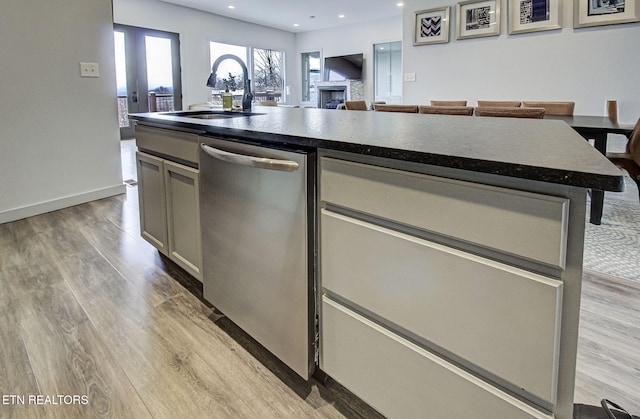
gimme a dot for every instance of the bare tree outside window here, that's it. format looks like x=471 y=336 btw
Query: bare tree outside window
x=268 y=74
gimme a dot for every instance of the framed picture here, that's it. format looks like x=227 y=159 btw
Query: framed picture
x=478 y=18
x=534 y=15
x=605 y=12
x=431 y=26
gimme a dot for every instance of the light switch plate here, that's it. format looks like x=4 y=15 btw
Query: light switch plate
x=409 y=76
x=89 y=70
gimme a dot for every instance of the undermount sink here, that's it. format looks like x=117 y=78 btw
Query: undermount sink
x=211 y=114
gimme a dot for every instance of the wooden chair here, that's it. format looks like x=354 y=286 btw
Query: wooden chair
x=446 y=110
x=381 y=107
x=498 y=104
x=511 y=112
x=268 y=103
x=355 y=105
x=552 y=108
x=630 y=159
x=448 y=103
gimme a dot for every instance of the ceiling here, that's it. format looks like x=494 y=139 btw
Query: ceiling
x=307 y=14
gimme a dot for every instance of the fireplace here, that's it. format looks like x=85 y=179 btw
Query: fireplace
x=331 y=93
x=330 y=97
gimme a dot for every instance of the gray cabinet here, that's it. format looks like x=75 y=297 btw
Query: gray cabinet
x=152 y=200
x=445 y=295
x=169 y=195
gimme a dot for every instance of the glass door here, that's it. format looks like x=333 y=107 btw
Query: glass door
x=310 y=76
x=147 y=73
x=387 y=71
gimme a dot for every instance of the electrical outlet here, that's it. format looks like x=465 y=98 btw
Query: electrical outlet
x=409 y=76
x=89 y=70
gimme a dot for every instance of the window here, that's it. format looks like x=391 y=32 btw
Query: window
x=229 y=71
x=268 y=73
x=310 y=75
x=265 y=68
x=388 y=72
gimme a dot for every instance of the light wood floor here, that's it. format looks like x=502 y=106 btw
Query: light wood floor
x=88 y=308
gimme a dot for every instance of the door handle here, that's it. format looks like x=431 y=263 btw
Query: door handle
x=251 y=161
x=134 y=97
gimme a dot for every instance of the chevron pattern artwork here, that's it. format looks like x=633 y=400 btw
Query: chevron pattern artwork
x=430 y=26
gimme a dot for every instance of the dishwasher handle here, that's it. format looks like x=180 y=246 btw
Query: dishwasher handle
x=251 y=161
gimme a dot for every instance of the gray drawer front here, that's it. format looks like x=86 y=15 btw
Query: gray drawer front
x=527 y=225
x=181 y=145
x=485 y=312
x=402 y=380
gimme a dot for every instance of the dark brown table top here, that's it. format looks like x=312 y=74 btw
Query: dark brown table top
x=593 y=122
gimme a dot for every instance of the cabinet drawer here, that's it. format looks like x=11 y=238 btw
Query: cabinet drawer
x=177 y=144
x=402 y=380
x=490 y=314
x=527 y=225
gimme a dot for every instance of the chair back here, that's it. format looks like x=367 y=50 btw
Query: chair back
x=511 y=112
x=355 y=105
x=448 y=103
x=552 y=108
x=268 y=103
x=381 y=107
x=446 y=110
x=498 y=104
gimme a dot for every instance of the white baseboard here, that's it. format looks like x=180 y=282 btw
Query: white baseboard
x=56 y=204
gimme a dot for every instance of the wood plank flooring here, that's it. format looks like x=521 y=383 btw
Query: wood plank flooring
x=88 y=308
x=608 y=364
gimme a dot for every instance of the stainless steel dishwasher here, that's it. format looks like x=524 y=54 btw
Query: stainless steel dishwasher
x=257 y=243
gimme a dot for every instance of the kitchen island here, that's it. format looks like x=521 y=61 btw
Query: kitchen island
x=449 y=252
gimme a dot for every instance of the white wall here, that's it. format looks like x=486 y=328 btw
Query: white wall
x=588 y=66
x=59 y=139
x=351 y=39
x=197 y=29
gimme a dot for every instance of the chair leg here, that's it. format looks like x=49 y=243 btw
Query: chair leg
x=636 y=179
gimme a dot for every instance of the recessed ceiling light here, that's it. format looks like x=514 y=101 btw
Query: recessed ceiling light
x=231 y=7
x=296 y=25
x=341 y=16
x=400 y=4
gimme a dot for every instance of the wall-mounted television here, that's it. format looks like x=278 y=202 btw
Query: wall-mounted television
x=343 y=67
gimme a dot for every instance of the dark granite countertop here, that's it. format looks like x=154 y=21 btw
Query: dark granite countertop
x=543 y=150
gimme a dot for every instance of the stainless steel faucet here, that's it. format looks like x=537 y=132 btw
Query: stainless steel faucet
x=247 y=96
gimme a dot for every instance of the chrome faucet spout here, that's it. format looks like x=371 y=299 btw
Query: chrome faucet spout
x=247 y=96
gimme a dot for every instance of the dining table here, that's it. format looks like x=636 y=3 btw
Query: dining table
x=597 y=128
